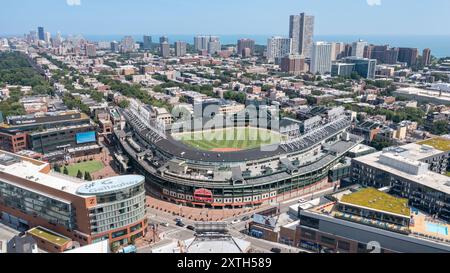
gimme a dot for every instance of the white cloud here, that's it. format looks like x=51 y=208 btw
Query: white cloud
x=73 y=2
x=374 y=2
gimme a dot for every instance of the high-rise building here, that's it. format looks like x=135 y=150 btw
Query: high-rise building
x=128 y=44
x=293 y=64
x=278 y=47
x=48 y=37
x=358 y=48
x=91 y=50
x=301 y=31
x=147 y=42
x=426 y=57
x=202 y=43
x=41 y=33
x=337 y=51
x=163 y=39
x=242 y=44
x=180 y=48
x=214 y=45
x=408 y=55
x=165 y=50
x=321 y=58
x=115 y=46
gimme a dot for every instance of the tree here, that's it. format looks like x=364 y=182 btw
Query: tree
x=57 y=168
x=440 y=127
x=66 y=171
x=124 y=104
x=87 y=176
x=80 y=174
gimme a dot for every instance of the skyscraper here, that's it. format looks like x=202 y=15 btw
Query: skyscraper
x=128 y=44
x=91 y=50
x=426 y=57
x=408 y=55
x=114 y=46
x=358 y=48
x=147 y=42
x=163 y=39
x=242 y=44
x=321 y=58
x=278 y=47
x=180 y=48
x=165 y=50
x=214 y=45
x=41 y=33
x=301 y=31
x=363 y=66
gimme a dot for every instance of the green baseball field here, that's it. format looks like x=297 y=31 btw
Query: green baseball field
x=229 y=139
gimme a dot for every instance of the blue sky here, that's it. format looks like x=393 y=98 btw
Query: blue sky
x=262 y=17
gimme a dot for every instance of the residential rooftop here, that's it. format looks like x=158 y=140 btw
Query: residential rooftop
x=440 y=143
x=374 y=199
x=49 y=236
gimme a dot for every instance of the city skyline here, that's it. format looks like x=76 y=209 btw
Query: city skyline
x=94 y=17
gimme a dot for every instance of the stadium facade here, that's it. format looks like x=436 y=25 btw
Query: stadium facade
x=186 y=175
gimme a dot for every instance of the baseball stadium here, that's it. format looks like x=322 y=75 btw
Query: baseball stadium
x=235 y=166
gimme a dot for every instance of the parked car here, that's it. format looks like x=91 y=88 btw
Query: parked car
x=235 y=221
x=165 y=224
x=275 y=250
x=246 y=218
x=191 y=228
x=180 y=224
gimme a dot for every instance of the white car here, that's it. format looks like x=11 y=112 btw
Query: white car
x=165 y=224
x=236 y=221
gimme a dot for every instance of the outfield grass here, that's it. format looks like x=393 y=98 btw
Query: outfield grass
x=234 y=138
x=88 y=166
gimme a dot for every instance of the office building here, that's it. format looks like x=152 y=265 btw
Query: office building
x=56 y=135
x=408 y=55
x=366 y=68
x=321 y=58
x=49 y=205
x=91 y=50
x=337 y=51
x=41 y=34
x=293 y=64
x=278 y=47
x=165 y=49
x=426 y=57
x=358 y=49
x=342 y=69
x=409 y=171
x=48 y=37
x=180 y=48
x=243 y=44
x=147 y=42
x=301 y=31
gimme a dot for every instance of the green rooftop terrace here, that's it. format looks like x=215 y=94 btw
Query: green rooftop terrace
x=374 y=199
x=49 y=236
x=439 y=143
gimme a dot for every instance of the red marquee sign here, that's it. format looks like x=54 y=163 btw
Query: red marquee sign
x=203 y=195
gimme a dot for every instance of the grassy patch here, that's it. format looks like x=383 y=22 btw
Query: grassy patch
x=88 y=166
x=48 y=236
x=439 y=143
x=375 y=199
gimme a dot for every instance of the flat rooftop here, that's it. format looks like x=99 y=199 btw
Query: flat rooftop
x=49 y=236
x=428 y=178
x=439 y=143
x=33 y=171
x=374 y=199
